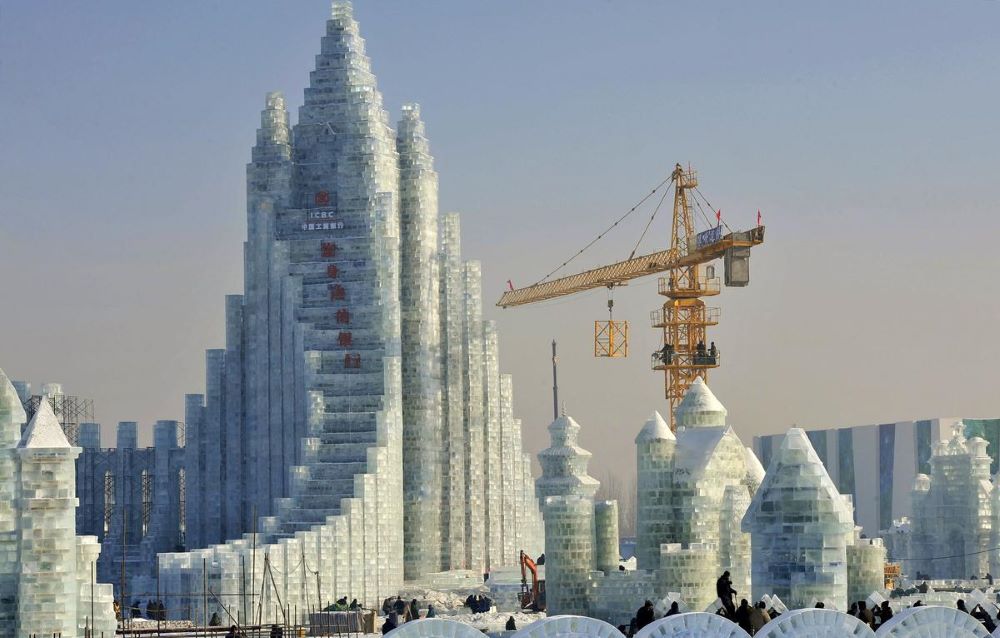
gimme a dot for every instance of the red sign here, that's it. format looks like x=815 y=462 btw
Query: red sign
x=322 y=198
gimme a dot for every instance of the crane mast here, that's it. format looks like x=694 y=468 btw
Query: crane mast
x=683 y=318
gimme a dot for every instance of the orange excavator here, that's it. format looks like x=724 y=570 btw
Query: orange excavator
x=532 y=598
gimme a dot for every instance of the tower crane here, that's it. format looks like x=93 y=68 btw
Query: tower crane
x=687 y=278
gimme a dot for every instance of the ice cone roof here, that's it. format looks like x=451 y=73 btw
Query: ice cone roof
x=44 y=430
x=655 y=428
x=12 y=414
x=700 y=408
x=798 y=485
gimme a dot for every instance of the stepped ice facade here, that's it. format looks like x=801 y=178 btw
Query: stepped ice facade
x=47 y=572
x=359 y=380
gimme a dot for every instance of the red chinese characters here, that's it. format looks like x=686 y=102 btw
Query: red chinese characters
x=345 y=338
x=328 y=249
x=343 y=316
x=322 y=198
x=352 y=360
x=337 y=292
x=332 y=271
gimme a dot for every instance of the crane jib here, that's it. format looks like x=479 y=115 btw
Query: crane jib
x=629 y=269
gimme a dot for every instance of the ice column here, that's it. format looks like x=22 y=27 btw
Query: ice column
x=569 y=554
x=268 y=190
x=800 y=527
x=47 y=590
x=865 y=567
x=655 y=446
x=419 y=298
x=475 y=485
x=492 y=446
x=453 y=492
x=12 y=416
x=606 y=536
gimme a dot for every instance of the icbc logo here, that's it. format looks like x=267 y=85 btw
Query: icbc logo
x=322 y=198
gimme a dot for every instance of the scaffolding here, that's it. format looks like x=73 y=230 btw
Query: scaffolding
x=70 y=410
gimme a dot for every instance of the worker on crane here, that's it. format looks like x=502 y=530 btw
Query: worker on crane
x=666 y=354
x=713 y=353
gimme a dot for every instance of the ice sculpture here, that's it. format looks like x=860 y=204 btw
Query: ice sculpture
x=47 y=587
x=692 y=625
x=12 y=416
x=932 y=622
x=800 y=528
x=375 y=412
x=568 y=627
x=816 y=623
x=693 y=488
x=46 y=572
x=951 y=525
x=567 y=494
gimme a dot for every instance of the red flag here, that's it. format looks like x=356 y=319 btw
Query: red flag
x=718 y=217
x=510 y=286
x=758 y=217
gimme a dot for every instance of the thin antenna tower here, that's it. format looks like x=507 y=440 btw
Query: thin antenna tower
x=555 y=384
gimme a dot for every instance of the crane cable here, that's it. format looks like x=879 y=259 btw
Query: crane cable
x=608 y=229
x=697 y=190
x=651 y=218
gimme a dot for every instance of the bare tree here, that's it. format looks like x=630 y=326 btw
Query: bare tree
x=613 y=488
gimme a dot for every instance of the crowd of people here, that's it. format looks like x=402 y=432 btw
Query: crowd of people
x=752 y=617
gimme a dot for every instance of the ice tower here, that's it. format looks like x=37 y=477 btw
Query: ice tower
x=567 y=493
x=12 y=416
x=693 y=488
x=359 y=382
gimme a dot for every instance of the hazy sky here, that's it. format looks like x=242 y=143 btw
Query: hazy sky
x=866 y=133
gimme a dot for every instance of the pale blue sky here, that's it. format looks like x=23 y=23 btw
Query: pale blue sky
x=866 y=132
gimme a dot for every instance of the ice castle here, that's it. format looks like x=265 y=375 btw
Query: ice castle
x=953 y=533
x=47 y=572
x=356 y=430
x=705 y=505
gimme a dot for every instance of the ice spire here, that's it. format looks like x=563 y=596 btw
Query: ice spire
x=656 y=428
x=12 y=415
x=699 y=407
x=44 y=430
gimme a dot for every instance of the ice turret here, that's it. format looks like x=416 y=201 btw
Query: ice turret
x=699 y=407
x=654 y=446
x=47 y=596
x=11 y=418
x=567 y=492
x=564 y=463
x=800 y=528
